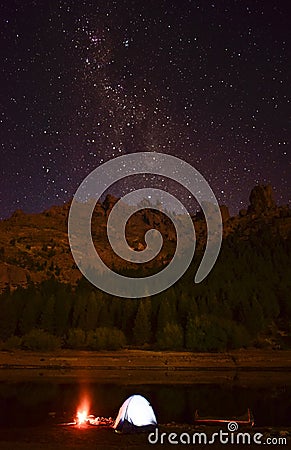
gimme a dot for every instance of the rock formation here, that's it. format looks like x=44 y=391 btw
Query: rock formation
x=261 y=200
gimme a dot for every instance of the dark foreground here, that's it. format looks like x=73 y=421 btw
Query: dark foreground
x=255 y=368
x=59 y=438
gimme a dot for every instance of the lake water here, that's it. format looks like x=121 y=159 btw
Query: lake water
x=29 y=403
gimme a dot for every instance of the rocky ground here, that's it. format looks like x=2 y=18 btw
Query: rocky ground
x=59 y=438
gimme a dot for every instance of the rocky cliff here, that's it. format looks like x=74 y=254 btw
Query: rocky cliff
x=35 y=247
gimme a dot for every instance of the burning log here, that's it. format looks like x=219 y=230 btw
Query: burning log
x=84 y=419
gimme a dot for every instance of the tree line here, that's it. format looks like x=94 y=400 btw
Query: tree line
x=246 y=294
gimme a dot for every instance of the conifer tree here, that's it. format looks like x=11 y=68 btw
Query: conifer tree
x=171 y=337
x=31 y=312
x=47 y=319
x=91 y=313
x=142 y=325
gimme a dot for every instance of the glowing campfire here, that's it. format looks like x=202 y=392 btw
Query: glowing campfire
x=83 y=412
x=83 y=418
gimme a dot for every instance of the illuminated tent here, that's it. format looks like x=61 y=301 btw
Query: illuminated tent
x=135 y=415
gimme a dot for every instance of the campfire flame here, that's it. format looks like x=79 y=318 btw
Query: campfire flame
x=82 y=417
x=83 y=410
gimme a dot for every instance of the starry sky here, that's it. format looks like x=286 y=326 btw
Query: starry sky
x=85 y=81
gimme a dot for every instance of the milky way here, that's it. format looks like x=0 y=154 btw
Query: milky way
x=83 y=82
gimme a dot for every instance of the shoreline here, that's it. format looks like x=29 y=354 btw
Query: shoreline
x=148 y=367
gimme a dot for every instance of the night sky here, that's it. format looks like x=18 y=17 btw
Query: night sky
x=84 y=81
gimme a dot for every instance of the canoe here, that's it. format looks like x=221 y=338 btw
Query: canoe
x=245 y=420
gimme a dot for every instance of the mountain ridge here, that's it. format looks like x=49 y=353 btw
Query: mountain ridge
x=35 y=247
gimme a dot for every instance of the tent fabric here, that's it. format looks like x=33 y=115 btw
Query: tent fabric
x=135 y=415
